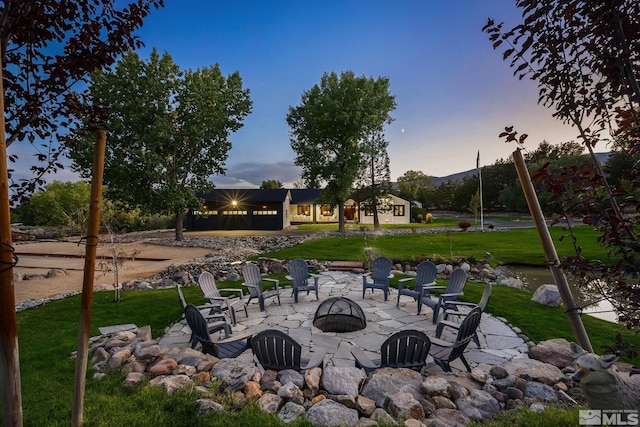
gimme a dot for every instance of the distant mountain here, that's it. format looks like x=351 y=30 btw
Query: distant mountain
x=437 y=180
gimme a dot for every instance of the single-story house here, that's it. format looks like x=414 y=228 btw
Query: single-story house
x=277 y=209
x=236 y=209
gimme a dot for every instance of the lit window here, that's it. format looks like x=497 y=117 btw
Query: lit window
x=368 y=211
x=325 y=210
x=304 y=210
x=398 y=210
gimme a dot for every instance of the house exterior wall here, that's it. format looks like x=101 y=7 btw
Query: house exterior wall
x=399 y=212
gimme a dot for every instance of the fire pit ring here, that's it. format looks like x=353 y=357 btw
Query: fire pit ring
x=339 y=314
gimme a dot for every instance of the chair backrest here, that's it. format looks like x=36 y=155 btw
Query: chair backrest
x=465 y=333
x=299 y=271
x=381 y=269
x=208 y=285
x=196 y=322
x=408 y=348
x=486 y=294
x=183 y=302
x=276 y=350
x=252 y=279
x=426 y=273
x=457 y=280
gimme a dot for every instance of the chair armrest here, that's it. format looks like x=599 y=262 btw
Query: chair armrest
x=362 y=360
x=317 y=359
x=449 y=296
x=440 y=343
x=432 y=287
x=234 y=290
x=276 y=282
x=401 y=282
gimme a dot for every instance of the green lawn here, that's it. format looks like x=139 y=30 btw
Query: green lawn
x=48 y=334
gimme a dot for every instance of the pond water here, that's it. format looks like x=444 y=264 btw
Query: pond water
x=534 y=277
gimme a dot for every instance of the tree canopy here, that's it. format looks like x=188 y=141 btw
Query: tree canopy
x=271 y=184
x=328 y=127
x=168 y=131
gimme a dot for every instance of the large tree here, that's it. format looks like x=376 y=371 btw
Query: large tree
x=168 y=131
x=327 y=129
x=585 y=57
x=412 y=184
x=374 y=183
x=46 y=47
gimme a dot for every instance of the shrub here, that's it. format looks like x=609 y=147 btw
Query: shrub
x=429 y=218
x=419 y=218
x=464 y=224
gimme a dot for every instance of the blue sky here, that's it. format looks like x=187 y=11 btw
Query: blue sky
x=454 y=93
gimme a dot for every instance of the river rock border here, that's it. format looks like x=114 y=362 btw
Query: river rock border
x=340 y=395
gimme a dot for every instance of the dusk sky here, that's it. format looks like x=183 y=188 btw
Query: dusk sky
x=454 y=93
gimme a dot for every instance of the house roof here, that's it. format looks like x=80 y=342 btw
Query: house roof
x=247 y=195
x=300 y=196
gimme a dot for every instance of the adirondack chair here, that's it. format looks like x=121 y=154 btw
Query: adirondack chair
x=444 y=352
x=301 y=279
x=253 y=281
x=457 y=280
x=380 y=275
x=456 y=309
x=403 y=349
x=219 y=303
x=426 y=273
x=277 y=351
x=231 y=346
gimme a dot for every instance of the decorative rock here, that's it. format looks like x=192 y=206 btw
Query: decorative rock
x=184 y=369
x=413 y=423
x=537 y=407
x=387 y=381
x=343 y=399
x=329 y=413
x=514 y=393
x=403 y=405
x=443 y=403
x=318 y=398
x=342 y=380
x=144 y=334
x=133 y=379
x=233 y=372
x=436 y=386
x=290 y=391
x=539 y=391
x=498 y=372
x=208 y=406
x=451 y=417
x=555 y=352
x=479 y=375
x=252 y=390
x=365 y=406
x=290 y=412
x=171 y=383
x=382 y=417
x=547 y=295
x=270 y=403
x=478 y=405
x=163 y=367
x=202 y=377
x=312 y=379
x=147 y=353
x=533 y=368
x=118 y=359
x=291 y=376
x=133 y=365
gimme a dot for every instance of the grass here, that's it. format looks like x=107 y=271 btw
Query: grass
x=513 y=247
x=48 y=334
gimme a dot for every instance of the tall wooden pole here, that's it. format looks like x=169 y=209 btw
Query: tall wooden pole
x=9 y=358
x=571 y=308
x=87 y=284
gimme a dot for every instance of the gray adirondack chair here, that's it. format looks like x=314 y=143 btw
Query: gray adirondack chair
x=457 y=280
x=216 y=321
x=444 y=352
x=403 y=349
x=459 y=309
x=220 y=303
x=301 y=279
x=253 y=281
x=426 y=273
x=378 y=277
x=277 y=351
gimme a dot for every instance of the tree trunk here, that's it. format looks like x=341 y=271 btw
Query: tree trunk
x=179 y=217
x=341 y=217
x=376 y=220
x=9 y=357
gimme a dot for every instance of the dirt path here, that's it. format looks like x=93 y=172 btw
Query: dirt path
x=40 y=257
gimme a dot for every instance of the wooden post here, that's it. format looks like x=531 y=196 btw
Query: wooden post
x=87 y=284
x=9 y=358
x=571 y=308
